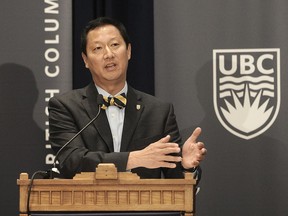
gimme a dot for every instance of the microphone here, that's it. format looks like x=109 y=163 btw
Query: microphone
x=54 y=170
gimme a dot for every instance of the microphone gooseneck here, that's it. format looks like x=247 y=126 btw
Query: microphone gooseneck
x=54 y=171
x=100 y=103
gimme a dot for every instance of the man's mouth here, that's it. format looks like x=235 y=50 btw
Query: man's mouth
x=110 y=66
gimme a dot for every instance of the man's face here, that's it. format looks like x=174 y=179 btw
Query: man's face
x=107 y=56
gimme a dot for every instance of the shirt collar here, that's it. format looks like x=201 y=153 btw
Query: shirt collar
x=106 y=94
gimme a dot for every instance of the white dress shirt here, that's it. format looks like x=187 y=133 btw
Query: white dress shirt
x=115 y=118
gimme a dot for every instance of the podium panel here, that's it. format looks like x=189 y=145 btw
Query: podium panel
x=112 y=214
x=106 y=192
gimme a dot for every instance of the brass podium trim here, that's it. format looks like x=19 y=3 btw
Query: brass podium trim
x=107 y=190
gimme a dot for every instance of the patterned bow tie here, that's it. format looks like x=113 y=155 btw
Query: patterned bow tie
x=119 y=101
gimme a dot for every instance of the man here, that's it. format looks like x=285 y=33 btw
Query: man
x=142 y=137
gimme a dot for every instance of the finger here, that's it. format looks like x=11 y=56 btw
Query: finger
x=200 y=145
x=166 y=148
x=164 y=145
x=204 y=151
x=196 y=133
x=167 y=165
x=170 y=158
x=171 y=150
x=164 y=139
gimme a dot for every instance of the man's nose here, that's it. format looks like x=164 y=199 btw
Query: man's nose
x=108 y=52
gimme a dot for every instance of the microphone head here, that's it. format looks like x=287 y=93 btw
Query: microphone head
x=55 y=170
x=100 y=100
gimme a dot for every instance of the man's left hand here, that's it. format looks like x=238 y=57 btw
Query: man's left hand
x=193 y=151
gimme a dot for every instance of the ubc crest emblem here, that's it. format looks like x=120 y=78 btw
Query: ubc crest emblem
x=246 y=85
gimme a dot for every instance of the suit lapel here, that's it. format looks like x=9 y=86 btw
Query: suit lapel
x=133 y=111
x=101 y=123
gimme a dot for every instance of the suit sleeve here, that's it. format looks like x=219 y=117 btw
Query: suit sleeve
x=78 y=156
x=171 y=128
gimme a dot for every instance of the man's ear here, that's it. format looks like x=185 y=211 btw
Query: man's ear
x=129 y=51
x=84 y=57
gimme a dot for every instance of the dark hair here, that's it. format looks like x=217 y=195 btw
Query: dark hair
x=99 y=22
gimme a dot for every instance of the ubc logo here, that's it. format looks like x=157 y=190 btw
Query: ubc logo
x=246 y=85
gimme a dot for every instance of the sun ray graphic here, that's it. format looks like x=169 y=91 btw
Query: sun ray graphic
x=247 y=117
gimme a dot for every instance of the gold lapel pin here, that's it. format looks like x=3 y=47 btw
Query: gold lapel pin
x=138 y=106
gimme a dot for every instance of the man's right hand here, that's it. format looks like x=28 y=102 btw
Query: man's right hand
x=155 y=155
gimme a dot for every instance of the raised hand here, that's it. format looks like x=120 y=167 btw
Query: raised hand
x=193 y=151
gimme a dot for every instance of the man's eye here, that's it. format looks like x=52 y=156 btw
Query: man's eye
x=115 y=44
x=97 y=49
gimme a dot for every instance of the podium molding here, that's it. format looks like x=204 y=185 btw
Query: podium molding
x=107 y=190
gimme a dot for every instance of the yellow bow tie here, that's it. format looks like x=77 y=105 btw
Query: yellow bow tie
x=119 y=101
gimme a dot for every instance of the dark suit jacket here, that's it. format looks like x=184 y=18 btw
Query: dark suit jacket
x=70 y=112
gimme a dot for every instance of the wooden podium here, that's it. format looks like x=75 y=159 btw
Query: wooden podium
x=107 y=190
